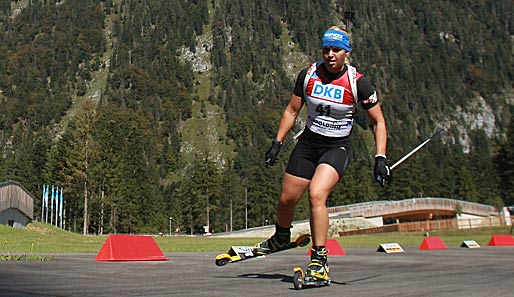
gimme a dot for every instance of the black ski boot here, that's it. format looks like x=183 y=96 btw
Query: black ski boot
x=279 y=241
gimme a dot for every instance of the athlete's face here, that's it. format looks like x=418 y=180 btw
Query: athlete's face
x=333 y=58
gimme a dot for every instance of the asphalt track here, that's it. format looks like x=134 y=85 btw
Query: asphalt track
x=486 y=271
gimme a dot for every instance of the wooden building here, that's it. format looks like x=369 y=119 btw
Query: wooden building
x=16 y=205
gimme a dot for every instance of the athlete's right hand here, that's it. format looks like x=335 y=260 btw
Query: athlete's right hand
x=271 y=155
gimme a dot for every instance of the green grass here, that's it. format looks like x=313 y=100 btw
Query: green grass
x=39 y=238
x=45 y=238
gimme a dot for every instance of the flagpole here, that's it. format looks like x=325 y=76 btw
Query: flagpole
x=57 y=207
x=52 y=206
x=43 y=205
x=61 y=207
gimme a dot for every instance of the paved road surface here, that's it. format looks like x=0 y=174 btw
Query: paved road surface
x=487 y=271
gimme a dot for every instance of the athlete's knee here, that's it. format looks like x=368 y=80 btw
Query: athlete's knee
x=317 y=198
x=285 y=204
x=287 y=201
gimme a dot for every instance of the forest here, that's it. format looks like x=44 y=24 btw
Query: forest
x=142 y=111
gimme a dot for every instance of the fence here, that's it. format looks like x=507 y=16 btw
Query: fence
x=430 y=225
x=381 y=208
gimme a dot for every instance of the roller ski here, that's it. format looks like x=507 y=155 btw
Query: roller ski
x=270 y=246
x=316 y=274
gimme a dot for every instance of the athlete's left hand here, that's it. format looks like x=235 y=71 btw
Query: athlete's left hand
x=382 y=171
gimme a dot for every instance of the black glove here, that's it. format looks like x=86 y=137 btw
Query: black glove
x=271 y=155
x=382 y=172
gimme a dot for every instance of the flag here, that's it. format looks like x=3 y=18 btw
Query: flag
x=61 y=205
x=56 y=204
x=52 y=201
x=44 y=195
x=47 y=189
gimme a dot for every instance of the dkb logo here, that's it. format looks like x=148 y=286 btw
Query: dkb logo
x=328 y=92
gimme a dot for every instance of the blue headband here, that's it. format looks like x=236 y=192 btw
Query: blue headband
x=336 y=38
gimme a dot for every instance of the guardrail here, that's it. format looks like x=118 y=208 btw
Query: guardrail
x=380 y=208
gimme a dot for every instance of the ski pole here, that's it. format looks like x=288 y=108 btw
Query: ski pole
x=295 y=137
x=415 y=149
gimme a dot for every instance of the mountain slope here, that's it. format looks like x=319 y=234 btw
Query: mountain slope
x=187 y=96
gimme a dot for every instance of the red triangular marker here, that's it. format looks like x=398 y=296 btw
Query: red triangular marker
x=130 y=248
x=333 y=247
x=501 y=240
x=433 y=243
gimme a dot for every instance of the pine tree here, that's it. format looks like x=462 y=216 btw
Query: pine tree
x=505 y=163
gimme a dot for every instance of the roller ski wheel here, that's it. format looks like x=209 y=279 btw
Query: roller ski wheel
x=303 y=240
x=301 y=281
x=223 y=259
x=298 y=278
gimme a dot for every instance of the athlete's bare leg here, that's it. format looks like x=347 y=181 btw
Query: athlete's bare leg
x=293 y=188
x=323 y=182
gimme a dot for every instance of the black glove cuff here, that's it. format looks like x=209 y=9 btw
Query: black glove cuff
x=276 y=142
